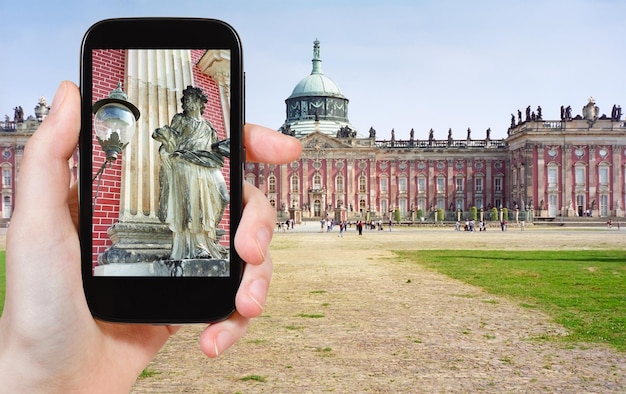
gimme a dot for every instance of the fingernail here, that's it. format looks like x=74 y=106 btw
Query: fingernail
x=222 y=341
x=58 y=97
x=263 y=242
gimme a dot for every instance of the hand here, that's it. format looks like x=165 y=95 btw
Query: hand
x=48 y=339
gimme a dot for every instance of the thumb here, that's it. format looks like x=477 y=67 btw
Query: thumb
x=42 y=233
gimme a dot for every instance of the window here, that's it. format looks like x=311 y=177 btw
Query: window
x=317 y=182
x=459 y=204
x=552 y=177
x=421 y=204
x=460 y=182
x=339 y=183
x=479 y=185
x=421 y=185
x=6 y=208
x=295 y=184
x=604 y=205
x=479 y=203
x=603 y=175
x=6 y=177
x=383 y=207
x=362 y=184
x=441 y=184
x=402 y=203
x=383 y=185
x=271 y=184
x=498 y=184
x=580 y=176
x=402 y=185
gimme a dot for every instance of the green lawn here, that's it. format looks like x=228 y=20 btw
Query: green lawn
x=585 y=291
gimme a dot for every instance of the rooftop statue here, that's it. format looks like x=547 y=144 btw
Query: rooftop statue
x=193 y=192
x=591 y=110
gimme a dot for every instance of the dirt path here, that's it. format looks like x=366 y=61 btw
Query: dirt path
x=345 y=316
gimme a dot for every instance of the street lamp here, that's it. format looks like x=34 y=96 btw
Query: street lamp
x=114 y=122
x=114 y=125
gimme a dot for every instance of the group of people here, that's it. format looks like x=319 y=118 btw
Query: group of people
x=286 y=225
x=470 y=225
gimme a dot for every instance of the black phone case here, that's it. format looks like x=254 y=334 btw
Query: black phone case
x=164 y=181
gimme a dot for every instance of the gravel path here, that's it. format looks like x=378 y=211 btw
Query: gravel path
x=345 y=316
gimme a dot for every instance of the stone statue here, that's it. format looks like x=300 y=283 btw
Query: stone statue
x=193 y=193
x=591 y=110
x=512 y=120
x=469 y=132
x=519 y=116
x=412 y=134
x=562 y=112
x=539 y=114
x=568 y=113
x=488 y=132
x=527 y=113
x=372 y=133
x=431 y=136
x=18 y=114
x=393 y=135
x=450 y=137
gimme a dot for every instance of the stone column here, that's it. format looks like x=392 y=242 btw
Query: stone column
x=216 y=64
x=155 y=81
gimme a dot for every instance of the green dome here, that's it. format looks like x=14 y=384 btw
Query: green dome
x=316 y=84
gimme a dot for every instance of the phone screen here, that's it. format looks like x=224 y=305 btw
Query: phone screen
x=161 y=170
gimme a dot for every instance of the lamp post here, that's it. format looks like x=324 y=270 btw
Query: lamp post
x=114 y=124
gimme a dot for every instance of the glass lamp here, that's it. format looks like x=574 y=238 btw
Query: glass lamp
x=114 y=125
x=114 y=122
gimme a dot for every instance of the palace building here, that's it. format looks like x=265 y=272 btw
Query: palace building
x=542 y=169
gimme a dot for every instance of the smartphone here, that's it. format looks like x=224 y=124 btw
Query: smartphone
x=161 y=162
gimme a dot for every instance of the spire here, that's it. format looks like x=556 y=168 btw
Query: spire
x=317 y=61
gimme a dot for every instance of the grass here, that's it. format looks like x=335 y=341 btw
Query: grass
x=585 y=291
x=2 y=279
x=254 y=378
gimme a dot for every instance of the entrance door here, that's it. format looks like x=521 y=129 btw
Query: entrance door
x=317 y=208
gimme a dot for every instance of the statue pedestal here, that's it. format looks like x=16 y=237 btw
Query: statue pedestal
x=193 y=267
x=619 y=213
x=167 y=268
x=137 y=242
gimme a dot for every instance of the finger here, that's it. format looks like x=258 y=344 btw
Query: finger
x=218 y=337
x=269 y=146
x=255 y=230
x=252 y=293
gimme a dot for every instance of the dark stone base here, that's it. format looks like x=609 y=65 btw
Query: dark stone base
x=192 y=267
x=137 y=242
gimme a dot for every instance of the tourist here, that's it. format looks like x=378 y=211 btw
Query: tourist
x=49 y=341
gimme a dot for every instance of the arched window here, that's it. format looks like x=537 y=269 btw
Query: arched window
x=317 y=182
x=339 y=183
x=295 y=184
x=271 y=184
x=362 y=184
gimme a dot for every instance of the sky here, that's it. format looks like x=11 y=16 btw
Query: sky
x=402 y=64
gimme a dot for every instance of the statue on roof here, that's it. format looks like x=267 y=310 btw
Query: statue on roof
x=372 y=133
x=591 y=111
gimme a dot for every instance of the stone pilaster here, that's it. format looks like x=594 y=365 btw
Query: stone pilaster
x=155 y=81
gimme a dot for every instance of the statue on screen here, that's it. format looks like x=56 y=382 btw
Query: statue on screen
x=193 y=193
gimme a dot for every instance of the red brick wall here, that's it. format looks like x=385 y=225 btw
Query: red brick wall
x=108 y=70
x=213 y=113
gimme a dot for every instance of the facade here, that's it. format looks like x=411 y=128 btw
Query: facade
x=542 y=170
